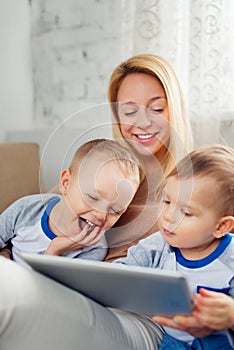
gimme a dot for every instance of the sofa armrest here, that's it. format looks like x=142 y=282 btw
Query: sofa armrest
x=20 y=171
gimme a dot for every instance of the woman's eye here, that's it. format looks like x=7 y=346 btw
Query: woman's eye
x=130 y=113
x=156 y=110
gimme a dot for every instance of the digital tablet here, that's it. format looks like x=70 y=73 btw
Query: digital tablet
x=137 y=289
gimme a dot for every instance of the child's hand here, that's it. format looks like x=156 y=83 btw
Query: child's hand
x=214 y=309
x=62 y=244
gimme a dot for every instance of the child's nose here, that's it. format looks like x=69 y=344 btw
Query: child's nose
x=169 y=214
x=100 y=217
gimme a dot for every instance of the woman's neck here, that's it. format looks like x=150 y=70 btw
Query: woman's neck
x=152 y=169
x=152 y=163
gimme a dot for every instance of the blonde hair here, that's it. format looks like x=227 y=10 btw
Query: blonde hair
x=216 y=162
x=156 y=66
x=107 y=150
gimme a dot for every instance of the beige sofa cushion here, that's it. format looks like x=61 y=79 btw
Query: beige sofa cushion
x=20 y=171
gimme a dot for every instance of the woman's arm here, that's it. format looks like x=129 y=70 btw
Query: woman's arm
x=56 y=317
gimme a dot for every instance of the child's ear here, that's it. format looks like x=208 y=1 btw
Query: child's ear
x=225 y=224
x=64 y=182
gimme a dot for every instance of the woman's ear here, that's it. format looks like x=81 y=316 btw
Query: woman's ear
x=225 y=224
x=64 y=182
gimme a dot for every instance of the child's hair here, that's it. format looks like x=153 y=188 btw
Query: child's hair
x=107 y=150
x=216 y=162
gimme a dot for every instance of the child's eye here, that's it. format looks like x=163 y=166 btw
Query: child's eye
x=115 y=211
x=165 y=201
x=186 y=213
x=92 y=197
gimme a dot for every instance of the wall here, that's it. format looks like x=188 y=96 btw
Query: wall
x=16 y=83
x=56 y=59
x=76 y=44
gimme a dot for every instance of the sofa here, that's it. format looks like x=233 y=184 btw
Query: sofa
x=20 y=171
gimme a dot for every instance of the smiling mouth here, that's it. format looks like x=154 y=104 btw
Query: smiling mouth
x=146 y=137
x=82 y=222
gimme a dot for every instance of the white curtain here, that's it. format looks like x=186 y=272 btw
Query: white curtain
x=196 y=36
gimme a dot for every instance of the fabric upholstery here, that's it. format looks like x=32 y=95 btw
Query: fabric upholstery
x=20 y=171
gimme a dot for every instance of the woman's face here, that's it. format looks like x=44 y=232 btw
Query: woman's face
x=143 y=114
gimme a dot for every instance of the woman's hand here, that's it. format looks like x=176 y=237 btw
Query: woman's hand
x=62 y=244
x=184 y=323
x=6 y=253
x=212 y=311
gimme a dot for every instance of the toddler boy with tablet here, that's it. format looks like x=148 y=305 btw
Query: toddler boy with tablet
x=95 y=191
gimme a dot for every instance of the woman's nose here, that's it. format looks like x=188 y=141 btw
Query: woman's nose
x=142 y=120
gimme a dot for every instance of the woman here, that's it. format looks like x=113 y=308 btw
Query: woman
x=149 y=114
x=38 y=313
